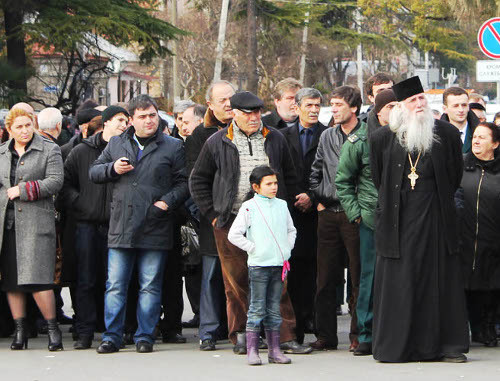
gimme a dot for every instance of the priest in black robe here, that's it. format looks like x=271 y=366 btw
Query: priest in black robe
x=419 y=300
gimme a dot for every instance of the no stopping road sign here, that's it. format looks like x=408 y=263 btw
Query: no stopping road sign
x=488 y=38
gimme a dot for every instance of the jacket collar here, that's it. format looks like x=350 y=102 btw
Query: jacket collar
x=36 y=144
x=230 y=131
x=295 y=141
x=209 y=120
x=471 y=162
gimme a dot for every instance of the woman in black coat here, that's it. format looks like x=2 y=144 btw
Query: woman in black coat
x=480 y=211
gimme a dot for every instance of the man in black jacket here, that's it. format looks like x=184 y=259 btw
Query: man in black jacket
x=456 y=111
x=303 y=140
x=219 y=183
x=285 y=114
x=90 y=204
x=148 y=173
x=212 y=299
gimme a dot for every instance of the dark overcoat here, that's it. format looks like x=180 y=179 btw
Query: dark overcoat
x=306 y=223
x=34 y=220
x=387 y=160
x=160 y=174
x=480 y=221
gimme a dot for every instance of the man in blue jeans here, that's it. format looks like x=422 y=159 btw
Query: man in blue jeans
x=148 y=173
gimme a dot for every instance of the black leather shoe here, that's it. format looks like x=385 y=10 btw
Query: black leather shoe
x=240 y=348
x=454 y=358
x=173 y=338
x=363 y=349
x=107 y=347
x=83 y=342
x=292 y=347
x=322 y=345
x=193 y=323
x=143 y=347
x=207 y=345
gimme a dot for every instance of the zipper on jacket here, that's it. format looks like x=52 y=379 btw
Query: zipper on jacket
x=477 y=219
x=250 y=145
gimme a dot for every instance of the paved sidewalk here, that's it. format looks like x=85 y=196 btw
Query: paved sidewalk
x=185 y=362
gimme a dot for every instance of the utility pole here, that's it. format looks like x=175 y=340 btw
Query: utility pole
x=221 y=40
x=359 y=55
x=175 y=59
x=304 y=50
x=253 y=78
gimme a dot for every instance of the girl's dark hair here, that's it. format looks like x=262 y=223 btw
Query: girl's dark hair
x=256 y=177
x=495 y=130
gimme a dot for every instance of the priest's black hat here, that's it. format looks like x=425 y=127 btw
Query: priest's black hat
x=407 y=88
x=246 y=101
x=86 y=115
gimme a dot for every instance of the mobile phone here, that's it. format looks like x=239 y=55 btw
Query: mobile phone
x=126 y=161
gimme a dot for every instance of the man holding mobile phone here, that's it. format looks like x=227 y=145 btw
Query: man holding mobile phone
x=148 y=173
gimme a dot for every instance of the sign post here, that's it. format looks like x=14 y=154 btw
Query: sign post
x=488 y=39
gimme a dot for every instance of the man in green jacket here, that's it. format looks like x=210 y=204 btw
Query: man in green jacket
x=358 y=197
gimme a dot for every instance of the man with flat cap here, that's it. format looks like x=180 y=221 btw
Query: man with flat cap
x=419 y=302
x=219 y=184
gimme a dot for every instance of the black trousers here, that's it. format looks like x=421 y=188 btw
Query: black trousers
x=91 y=257
x=302 y=276
x=172 y=298
x=335 y=233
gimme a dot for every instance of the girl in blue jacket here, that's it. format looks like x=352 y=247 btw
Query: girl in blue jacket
x=264 y=229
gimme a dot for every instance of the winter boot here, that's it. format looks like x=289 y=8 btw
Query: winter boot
x=55 y=335
x=275 y=355
x=20 y=335
x=253 y=348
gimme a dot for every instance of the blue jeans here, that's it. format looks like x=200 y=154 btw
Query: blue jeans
x=265 y=295
x=150 y=266
x=211 y=299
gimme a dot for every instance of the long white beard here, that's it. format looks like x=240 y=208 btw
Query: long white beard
x=415 y=132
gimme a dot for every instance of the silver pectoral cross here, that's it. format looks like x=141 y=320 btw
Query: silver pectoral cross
x=413 y=178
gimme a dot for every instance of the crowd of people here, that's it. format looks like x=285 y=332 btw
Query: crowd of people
x=261 y=215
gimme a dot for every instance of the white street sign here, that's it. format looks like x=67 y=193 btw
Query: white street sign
x=487 y=71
